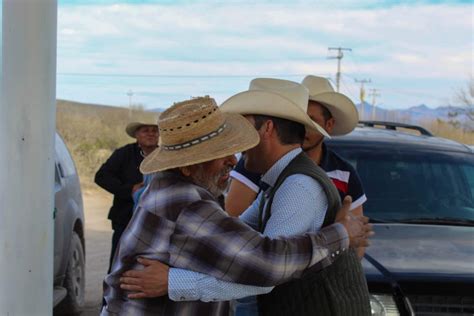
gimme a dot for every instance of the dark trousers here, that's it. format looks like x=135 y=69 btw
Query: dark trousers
x=118 y=231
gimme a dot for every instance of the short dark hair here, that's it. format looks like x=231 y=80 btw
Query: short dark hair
x=289 y=132
x=326 y=113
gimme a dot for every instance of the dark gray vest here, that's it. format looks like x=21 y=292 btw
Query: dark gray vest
x=341 y=288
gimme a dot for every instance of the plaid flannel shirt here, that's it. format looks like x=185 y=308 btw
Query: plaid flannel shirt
x=182 y=225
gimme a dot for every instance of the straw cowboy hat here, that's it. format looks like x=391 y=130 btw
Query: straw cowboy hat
x=196 y=131
x=134 y=126
x=274 y=97
x=341 y=107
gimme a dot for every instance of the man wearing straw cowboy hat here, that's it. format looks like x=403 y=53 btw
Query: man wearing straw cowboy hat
x=179 y=221
x=120 y=176
x=277 y=109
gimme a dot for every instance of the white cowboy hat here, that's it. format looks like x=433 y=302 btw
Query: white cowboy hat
x=274 y=97
x=341 y=107
x=134 y=126
x=196 y=131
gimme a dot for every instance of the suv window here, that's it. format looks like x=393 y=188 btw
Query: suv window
x=57 y=179
x=410 y=185
x=469 y=170
x=66 y=164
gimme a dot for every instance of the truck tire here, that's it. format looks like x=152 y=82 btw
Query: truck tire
x=75 y=280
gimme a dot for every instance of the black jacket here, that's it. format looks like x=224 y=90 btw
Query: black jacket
x=118 y=175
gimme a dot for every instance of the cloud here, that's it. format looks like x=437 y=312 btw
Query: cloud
x=412 y=41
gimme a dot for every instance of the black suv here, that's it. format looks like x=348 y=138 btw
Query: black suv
x=420 y=191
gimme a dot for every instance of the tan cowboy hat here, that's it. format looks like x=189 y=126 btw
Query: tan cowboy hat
x=196 y=131
x=341 y=107
x=134 y=126
x=274 y=97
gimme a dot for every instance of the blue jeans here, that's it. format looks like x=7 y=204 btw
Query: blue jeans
x=246 y=306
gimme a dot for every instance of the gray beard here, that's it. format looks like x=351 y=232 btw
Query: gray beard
x=210 y=183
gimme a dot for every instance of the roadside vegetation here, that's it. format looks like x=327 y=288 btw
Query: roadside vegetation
x=93 y=132
x=448 y=130
x=453 y=128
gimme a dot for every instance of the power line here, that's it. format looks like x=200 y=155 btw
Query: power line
x=414 y=93
x=354 y=59
x=349 y=76
x=349 y=90
x=178 y=76
x=339 y=56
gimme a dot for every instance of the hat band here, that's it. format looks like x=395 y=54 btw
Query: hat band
x=197 y=140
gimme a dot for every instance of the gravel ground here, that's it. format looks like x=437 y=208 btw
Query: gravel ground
x=98 y=234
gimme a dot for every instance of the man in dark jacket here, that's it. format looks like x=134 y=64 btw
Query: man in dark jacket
x=120 y=175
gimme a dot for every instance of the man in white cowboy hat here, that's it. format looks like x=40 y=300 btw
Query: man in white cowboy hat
x=337 y=114
x=179 y=221
x=120 y=176
x=277 y=109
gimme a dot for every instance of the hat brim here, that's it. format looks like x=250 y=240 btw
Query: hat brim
x=342 y=109
x=260 y=102
x=239 y=135
x=134 y=126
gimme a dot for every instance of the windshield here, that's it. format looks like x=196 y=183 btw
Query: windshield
x=415 y=186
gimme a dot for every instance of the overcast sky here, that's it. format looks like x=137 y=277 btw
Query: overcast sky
x=165 y=51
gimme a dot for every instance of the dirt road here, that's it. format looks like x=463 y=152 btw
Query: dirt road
x=98 y=234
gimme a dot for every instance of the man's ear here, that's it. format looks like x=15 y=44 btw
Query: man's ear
x=268 y=129
x=185 y=171
x=329 y=126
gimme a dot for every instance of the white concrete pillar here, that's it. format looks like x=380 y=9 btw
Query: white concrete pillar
x=27 y=127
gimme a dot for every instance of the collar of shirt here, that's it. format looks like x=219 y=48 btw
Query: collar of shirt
x=271 y=176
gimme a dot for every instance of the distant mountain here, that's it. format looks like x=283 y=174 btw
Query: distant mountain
x=414 y=115
x=158 y=110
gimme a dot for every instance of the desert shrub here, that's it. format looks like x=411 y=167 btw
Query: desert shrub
x=447 y=130
x=93 y=132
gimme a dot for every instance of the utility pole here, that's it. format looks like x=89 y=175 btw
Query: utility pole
x=362 y=95
x=27 y=133
x=339 y=56
x=374 y=94
x=130 y=95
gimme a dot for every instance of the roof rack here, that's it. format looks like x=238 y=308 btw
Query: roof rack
x=394 y=125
